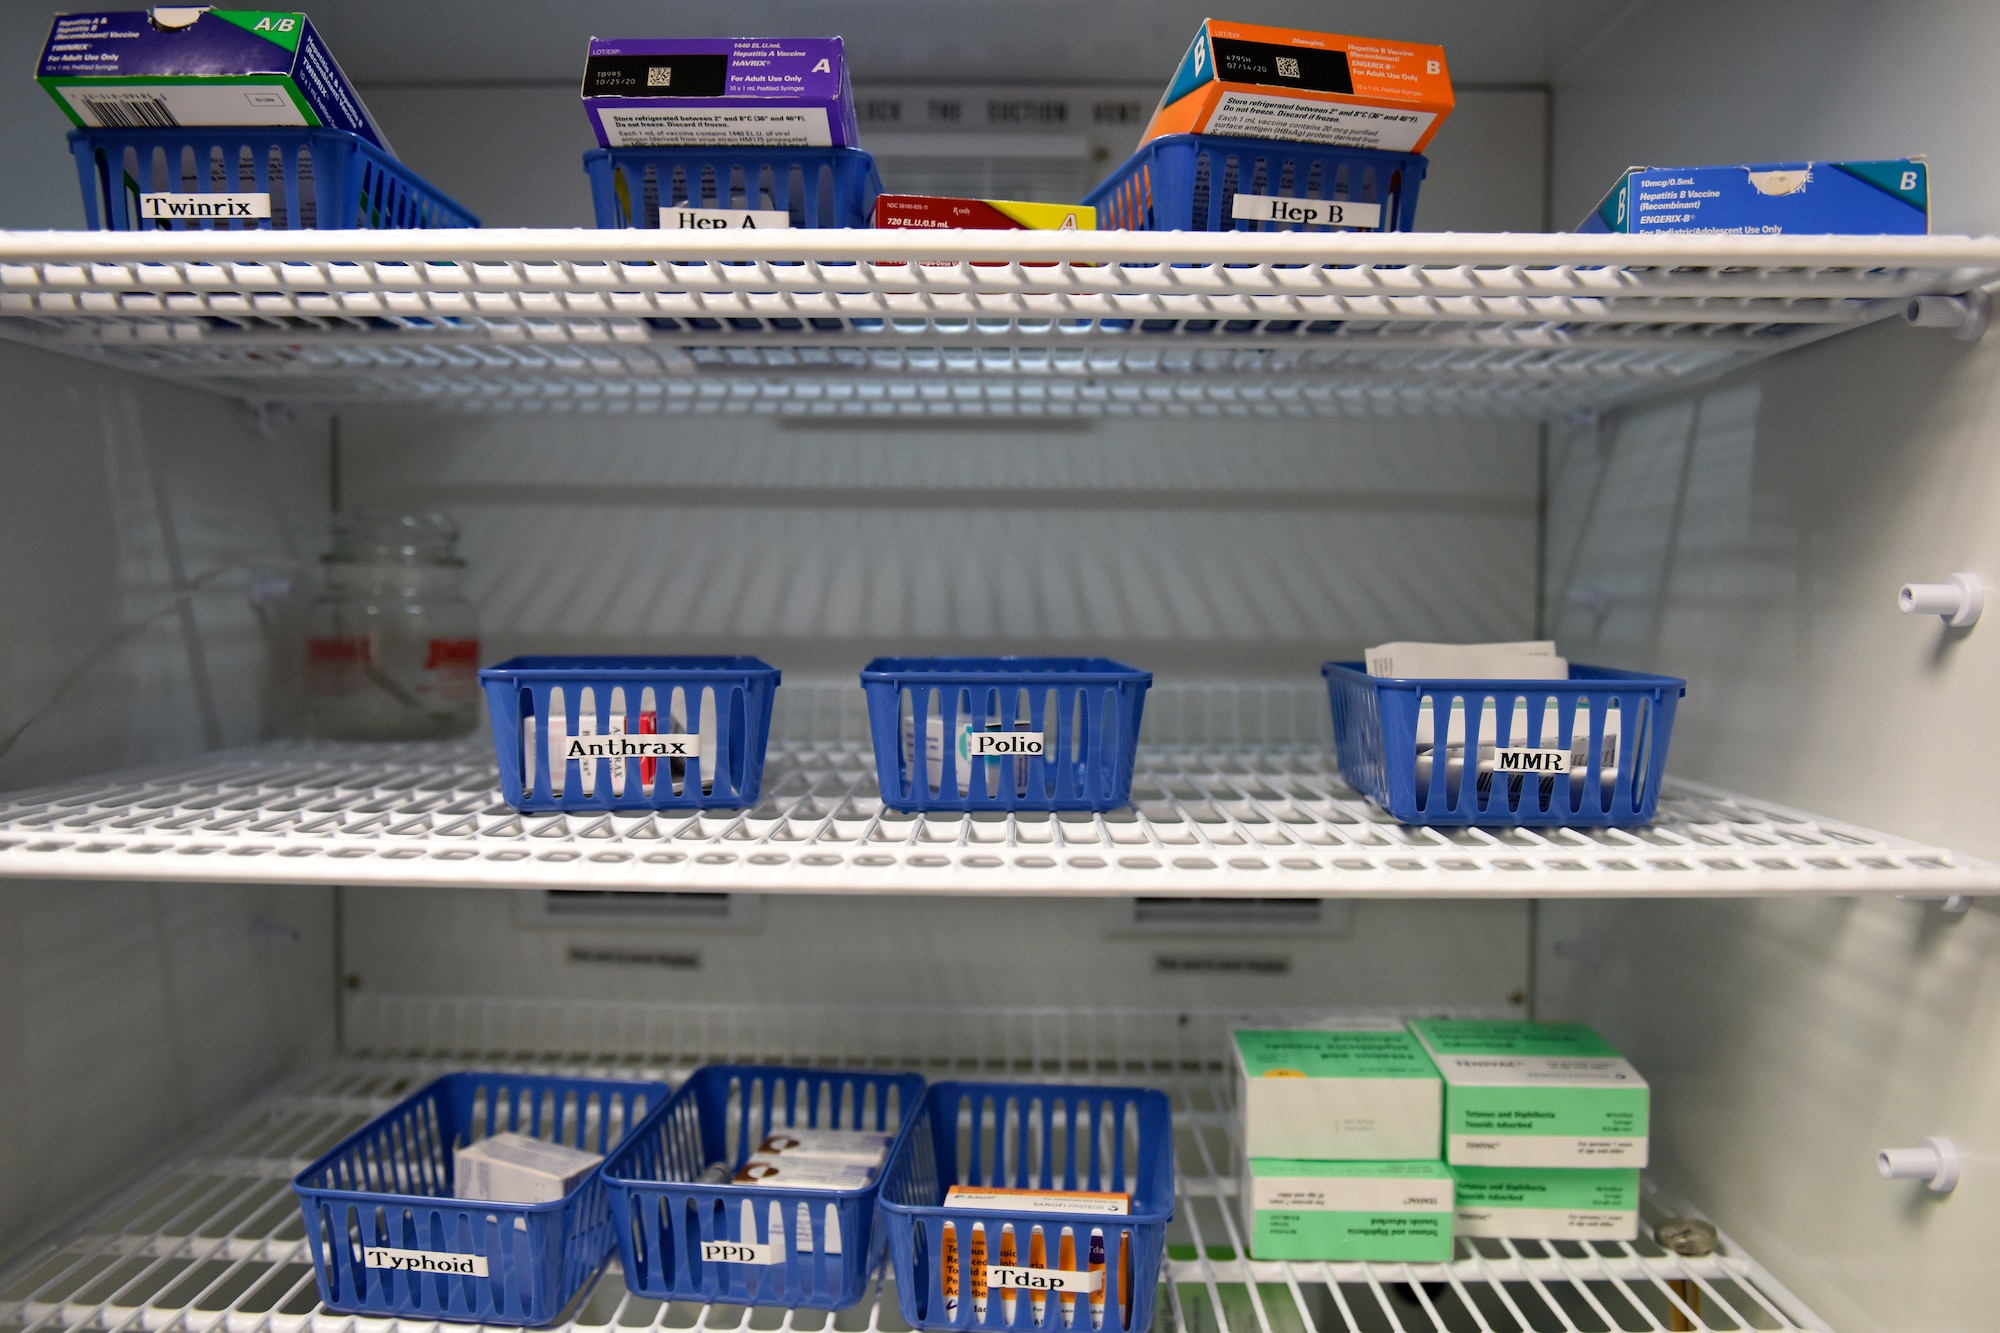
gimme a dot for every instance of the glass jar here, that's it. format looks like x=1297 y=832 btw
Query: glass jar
x=392 y=645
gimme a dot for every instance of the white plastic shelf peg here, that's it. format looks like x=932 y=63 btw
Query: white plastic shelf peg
x=1937 y=1164
x=1958 y=600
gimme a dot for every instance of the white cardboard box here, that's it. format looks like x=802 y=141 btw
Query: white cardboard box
x=1357 y=1091
x=513 y=1168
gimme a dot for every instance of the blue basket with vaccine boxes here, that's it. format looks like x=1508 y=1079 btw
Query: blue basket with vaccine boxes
x=683 y=1238
x=1209 y=182
x=630 y=733
x=813 y=187
x=389 y=1239
x=250 y=177
x=1004 y=733
x=1031 y=1136
x=1588 y=752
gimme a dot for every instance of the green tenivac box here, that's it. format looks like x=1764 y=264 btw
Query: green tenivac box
x=1360 y=1090
x=1378 y=1212
x=1547 y=1202
x=1535 y=1094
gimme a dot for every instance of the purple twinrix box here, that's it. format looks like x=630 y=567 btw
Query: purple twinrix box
x=194 y=65
x=744 y=92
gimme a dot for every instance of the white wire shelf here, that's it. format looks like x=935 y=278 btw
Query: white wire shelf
x=913 y=323
x=212 y=1239
x=1205 y=820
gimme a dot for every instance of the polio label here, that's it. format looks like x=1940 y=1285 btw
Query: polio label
x=996 y=744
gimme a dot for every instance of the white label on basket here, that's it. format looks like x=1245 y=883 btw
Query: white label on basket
x=1304 y=212
x=426 y=1261
x=1045 y=1279
x=1531 y=761
x=193 y=207
x=618 y=746
x=996 y=744
x=1255 y=116
x=735 y=1252
x=722 y=219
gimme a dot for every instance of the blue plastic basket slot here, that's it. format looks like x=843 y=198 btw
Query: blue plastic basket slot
x=815 y=187
x=630 y=733
x=1057 y=733
x=1031 y=1136
x=388 y=1238
x=1186 y=182
x=1590 y=751
x=311 y=179
x=746 y=1244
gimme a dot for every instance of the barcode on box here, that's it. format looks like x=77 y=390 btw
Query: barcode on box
x=128 y=113
x=659 y=76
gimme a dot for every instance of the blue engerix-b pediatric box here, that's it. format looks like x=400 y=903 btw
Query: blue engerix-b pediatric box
x=1889 y=198
x=193 y=65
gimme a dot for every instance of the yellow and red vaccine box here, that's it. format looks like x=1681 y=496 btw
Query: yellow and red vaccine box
x=1255 y=82
x=931 y=210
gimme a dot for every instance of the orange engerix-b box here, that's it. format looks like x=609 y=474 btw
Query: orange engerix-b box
x=1306 y=87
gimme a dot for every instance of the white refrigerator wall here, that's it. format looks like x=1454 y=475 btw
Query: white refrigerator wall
x=1751 y=536
x=149 y=536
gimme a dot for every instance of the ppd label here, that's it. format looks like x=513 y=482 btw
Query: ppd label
x=737 y=1252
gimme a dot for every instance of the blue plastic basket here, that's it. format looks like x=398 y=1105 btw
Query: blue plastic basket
x=818 y=187
x=683 y=1241
x=1085 y=710
x=1185 y=182
x=1032 y=1136
x=1380 y=724
x=389 y=1186
x=717 y=708
x=316 y=178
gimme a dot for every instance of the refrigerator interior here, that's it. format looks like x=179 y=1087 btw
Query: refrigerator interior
x=1747 y=532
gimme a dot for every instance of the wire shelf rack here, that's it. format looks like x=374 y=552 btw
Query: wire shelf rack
x=211 y=1240
x=1250 y=820
x=912 y=323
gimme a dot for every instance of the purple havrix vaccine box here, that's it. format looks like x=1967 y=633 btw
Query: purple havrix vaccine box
x=744 y=92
